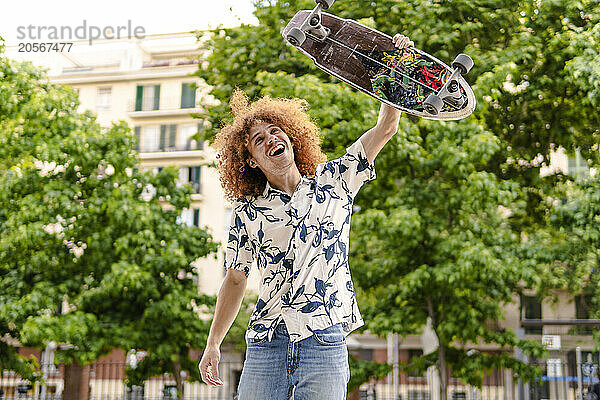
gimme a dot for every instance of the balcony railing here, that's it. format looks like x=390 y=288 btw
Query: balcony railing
x=187 y=147
x=171 y=104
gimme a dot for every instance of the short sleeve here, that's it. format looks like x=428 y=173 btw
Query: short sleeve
x=353 y=169
x=239 y=253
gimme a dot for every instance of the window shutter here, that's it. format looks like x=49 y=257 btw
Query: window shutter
x=138 y=136
x=172 y=136
x=139 y=96
x=200 y=142
x=188 y=95
x=196 y=217
x=156 y=97
x=183 y=95
x=195 y=178
x=163 y=134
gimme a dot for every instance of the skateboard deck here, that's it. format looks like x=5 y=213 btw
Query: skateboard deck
x=369 y=61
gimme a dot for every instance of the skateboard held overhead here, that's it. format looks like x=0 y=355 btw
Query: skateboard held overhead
x=408 y=79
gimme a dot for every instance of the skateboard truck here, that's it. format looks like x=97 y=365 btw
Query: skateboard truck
x=450 y=92
x=311 y=25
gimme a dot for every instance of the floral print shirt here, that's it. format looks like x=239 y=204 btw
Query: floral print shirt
x=299 y=244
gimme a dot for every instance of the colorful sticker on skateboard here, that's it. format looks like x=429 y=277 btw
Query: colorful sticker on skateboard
x=403 y=77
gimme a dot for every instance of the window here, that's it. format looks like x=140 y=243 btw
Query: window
x=531 y=308
x=186 y=137
x=195 y=174
x=583 y=305
x=365 y=354
x=200 y=129
x=191 y=176
x=190 y=217
x=196 y=220
x=103 y=99
x=147 y=97
x=188 y=95
x=414 y=353
x=149 y=138
x=168 y=137
x=138 y=136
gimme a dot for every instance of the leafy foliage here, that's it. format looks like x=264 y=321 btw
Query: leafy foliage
x=577 y=258
x=364 y=371
x=91 y=251
x=460 y=220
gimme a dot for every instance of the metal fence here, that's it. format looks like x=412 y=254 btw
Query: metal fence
x=559 y=382
x=419 y=388
x=106 y=382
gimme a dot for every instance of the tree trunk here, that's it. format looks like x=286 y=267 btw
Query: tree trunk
x=441 y=364
x=443 y=372
x=77 y=382
x=178 y=380
x=355 y=395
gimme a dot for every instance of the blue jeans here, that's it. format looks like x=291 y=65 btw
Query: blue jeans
x=315 y=368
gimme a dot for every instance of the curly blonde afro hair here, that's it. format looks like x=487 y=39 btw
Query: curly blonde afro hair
x=237 y=177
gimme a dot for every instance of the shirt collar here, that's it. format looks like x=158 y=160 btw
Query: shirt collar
x=270 y=189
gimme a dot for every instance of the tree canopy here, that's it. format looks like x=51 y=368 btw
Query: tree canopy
x=457 y=223
x=92 y=255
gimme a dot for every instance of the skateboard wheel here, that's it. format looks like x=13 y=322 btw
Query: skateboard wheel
x=463 y=62
x=325 y=4
x=296 y=37
x=433 y=104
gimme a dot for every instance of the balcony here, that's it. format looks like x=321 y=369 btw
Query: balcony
x=190 y=146
x=169 y=106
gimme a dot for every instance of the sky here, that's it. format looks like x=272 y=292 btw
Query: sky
x=154 y=16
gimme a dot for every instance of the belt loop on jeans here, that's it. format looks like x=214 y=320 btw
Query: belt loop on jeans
x=281 y=328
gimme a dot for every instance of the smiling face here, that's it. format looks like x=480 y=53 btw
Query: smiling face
x=270 y=149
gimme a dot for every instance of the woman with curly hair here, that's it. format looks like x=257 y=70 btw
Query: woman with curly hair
x=291 y=217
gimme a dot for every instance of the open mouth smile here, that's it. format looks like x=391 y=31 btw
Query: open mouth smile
x=277 y=150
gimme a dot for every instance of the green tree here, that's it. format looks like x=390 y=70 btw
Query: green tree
x=91 y=251
x=440 y=232
x=364 y=371
x=576 y=255
x=168 y=346
x=440 y=250
x=9 y=358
